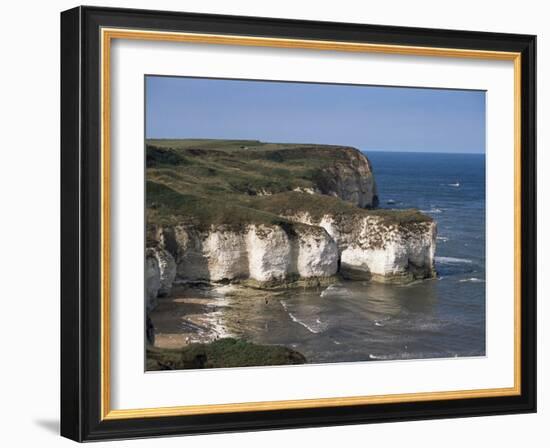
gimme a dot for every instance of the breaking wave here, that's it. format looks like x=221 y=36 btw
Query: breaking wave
x=336 y=291
x=452 y=260
x=432 y=211
x=313 y=326
x=472 y=280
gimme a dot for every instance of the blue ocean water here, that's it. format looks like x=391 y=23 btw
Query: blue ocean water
x=442 y=317
x=451 y=189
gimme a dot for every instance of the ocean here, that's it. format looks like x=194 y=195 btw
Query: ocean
x=438 y=318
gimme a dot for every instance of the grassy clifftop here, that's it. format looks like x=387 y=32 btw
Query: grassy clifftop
x=237 y=182
x=239 y=166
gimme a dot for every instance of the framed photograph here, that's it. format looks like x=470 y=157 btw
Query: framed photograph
x=273 y=223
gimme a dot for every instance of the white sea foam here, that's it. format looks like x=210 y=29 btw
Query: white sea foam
x=432 y=211
x=472 y=280
x=442 y=238
x=335 y=291
x=452 y=260
x=429 y=326
x=224 y=289
x=313 y=327
x=216 y=320
x=406 y=355
x=382 y=322
x=381 y=357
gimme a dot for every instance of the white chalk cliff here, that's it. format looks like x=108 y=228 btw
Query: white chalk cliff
x=366 y=248
x=160 y=273
x=259 y=252
x=300 y=242
x=373 y=249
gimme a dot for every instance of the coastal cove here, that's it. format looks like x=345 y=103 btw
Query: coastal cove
x=344 y=318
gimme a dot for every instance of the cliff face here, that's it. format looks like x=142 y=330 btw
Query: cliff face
x=264 y=254
x=160 y=273
x=350 y=179
x=274 y=215
x=364 y=249
x=372 y=249
x=252 y=168
x=152 y=280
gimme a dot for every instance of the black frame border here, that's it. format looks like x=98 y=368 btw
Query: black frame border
x=81 y=223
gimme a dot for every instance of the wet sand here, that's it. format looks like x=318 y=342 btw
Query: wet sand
x=205 y=313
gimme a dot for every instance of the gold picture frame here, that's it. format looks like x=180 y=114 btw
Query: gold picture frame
x=107 y=30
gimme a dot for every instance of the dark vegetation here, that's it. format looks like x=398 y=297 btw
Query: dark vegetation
x=226 y=352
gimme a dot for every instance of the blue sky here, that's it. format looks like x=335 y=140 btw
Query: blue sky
x=366 y=117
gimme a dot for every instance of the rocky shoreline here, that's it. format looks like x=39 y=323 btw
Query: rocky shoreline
x=193 y=326
x=269 y=217
x=269 y=257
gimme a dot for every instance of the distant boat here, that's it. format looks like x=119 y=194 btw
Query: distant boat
x=390 y=201
x=456 y=184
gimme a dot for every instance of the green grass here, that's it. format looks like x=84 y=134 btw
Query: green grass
x=223 y=182
x=240 y=166
x=317 y=206
x=166 y=206
x=226 y=352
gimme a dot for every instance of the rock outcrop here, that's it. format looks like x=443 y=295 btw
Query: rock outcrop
x=167 y=270
x=262 y=253
x=160 y=273
x=152 y=279
x=350 y=179
x=358 y=248
x=372 y=249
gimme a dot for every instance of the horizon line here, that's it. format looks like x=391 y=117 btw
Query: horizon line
x=316 y=143
x=421 y=152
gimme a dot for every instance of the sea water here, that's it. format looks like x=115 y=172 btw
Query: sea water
x=441 y=317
